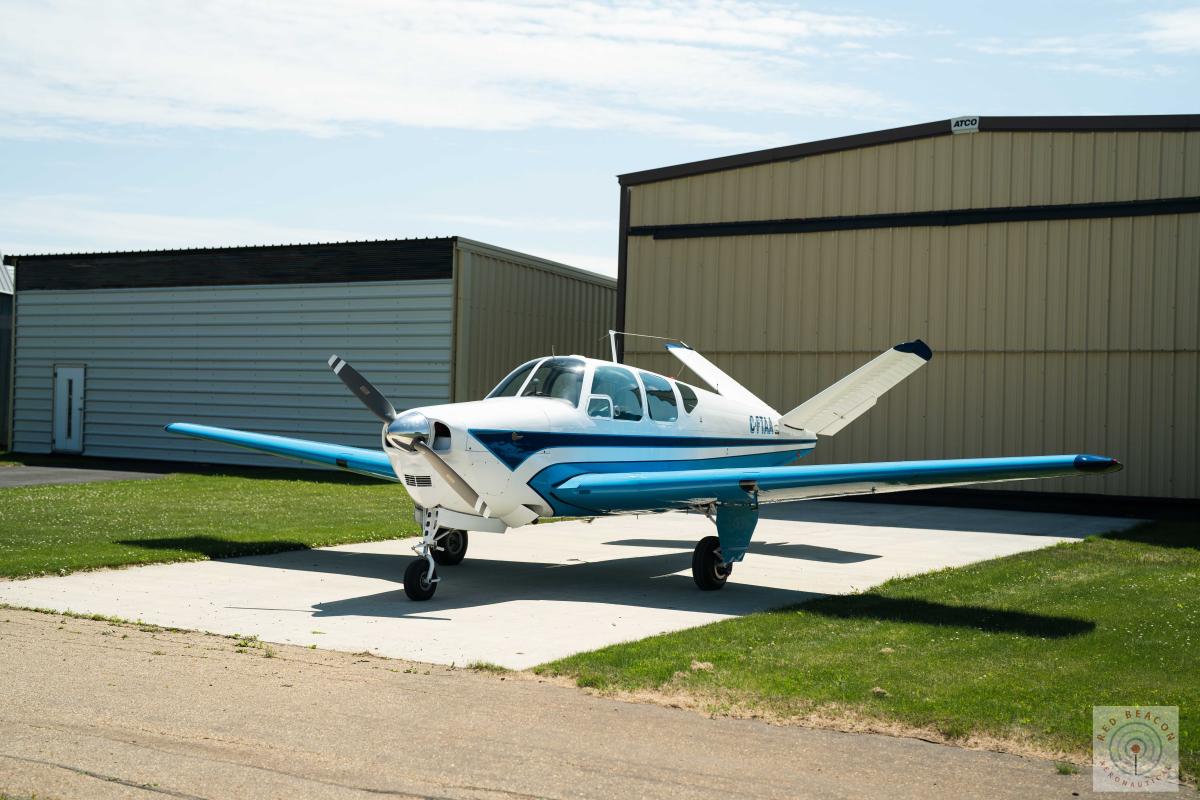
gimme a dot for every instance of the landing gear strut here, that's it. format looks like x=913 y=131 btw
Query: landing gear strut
x=709 y=569
x=420 y=579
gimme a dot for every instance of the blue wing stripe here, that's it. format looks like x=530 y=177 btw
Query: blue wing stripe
x=354 y=459
x=648 y=490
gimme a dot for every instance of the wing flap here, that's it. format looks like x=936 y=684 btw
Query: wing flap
x=636 y=491
x=354 y=459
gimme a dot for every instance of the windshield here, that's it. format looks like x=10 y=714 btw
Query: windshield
x=512 y=384
x=561 y=378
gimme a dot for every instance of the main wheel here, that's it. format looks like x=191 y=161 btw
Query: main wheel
x=708 y=569
x=417 y=583
x=451 y=549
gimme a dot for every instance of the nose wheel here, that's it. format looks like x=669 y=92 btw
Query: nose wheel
x=419 y=581
x=709 y=569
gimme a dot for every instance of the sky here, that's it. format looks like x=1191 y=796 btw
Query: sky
x=151 y=124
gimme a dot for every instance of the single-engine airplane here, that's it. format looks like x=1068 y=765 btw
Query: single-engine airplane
x=574 y=436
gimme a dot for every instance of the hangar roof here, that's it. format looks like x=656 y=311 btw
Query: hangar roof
x=1144 y=122
x=325 y=262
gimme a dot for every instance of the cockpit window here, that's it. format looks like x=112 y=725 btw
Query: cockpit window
x=515 y=380
x=561 y=378
x=689 y=397
x=622 y=387
x=660 y=397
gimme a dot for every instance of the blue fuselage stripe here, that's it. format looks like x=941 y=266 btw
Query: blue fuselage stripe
x=544 y=482
x=514 y=447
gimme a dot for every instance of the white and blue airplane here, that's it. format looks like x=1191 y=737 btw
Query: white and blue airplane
x=565 y=436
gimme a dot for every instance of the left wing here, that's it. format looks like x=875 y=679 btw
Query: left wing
x=644 y=491
x=354 y=459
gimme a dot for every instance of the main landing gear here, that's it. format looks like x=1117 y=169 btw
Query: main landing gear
x=438 y=547
x=709 y=569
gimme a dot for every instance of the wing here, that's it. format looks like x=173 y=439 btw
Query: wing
x=644 y=491
x=353 y=459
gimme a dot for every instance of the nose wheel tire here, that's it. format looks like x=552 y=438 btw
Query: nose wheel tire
x=709 y=570
x=451 y=549
x=417 y=580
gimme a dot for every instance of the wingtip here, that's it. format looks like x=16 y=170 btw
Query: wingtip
x=1090 y=463
x=917 y=348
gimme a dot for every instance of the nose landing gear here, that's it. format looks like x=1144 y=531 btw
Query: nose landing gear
x=438 y=547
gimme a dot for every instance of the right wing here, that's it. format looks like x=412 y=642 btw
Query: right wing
x=354 y=459
x=651 y=491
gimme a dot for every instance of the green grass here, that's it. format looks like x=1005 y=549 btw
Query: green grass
x=1018 y=648
x=184 y=517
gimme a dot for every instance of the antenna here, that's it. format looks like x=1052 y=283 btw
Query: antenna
x=612 y=341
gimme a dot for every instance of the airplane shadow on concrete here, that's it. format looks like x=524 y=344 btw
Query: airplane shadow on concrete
x=931 y=518
x=807 y=552
x=643 y=581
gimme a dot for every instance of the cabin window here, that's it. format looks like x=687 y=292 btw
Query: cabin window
x=689 y=397
x=560 y=378
x=622 y=387
x=515 y=380
x=660 y=398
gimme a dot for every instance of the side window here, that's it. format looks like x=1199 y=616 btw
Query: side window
x=512 y=384
x=660 y=398
x=620 y=385
x=689 y=397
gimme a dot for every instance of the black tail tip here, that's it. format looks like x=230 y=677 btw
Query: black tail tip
x=1087 y=463
x=917 y=348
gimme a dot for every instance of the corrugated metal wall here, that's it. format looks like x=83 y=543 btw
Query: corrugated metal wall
x=1059 y=336
x=6 y=352
x=979 y=170
x=250 y=357
x=512 y=308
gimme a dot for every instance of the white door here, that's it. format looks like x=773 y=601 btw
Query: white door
x=68 y=409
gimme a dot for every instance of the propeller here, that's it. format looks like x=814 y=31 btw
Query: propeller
x=410 y=431
x=362 y=388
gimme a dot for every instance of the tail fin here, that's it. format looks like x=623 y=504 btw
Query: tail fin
x=711 y=374
x=854 y=395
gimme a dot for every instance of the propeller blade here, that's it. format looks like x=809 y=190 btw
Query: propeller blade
x=453 y=479
x=521 y=515
x=362 y=388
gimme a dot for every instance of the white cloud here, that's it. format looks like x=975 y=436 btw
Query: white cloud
x=57 y=223
x=77 y=223
x=556 y=224
x=1092 y=46
x=326 y=68
x=1174 y=31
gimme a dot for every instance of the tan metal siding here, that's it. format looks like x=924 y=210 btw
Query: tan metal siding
x=1059 y=336
x=512 y=308
x=980 y=170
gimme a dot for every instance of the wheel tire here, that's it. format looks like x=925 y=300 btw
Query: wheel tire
x=416 y=581
x=708 y=570
x=451 y=549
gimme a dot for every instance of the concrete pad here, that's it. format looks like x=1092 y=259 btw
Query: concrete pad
x=39 y=476
x=546 y=591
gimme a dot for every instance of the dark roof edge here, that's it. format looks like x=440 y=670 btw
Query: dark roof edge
x=1142 y=122
x=14 y=259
